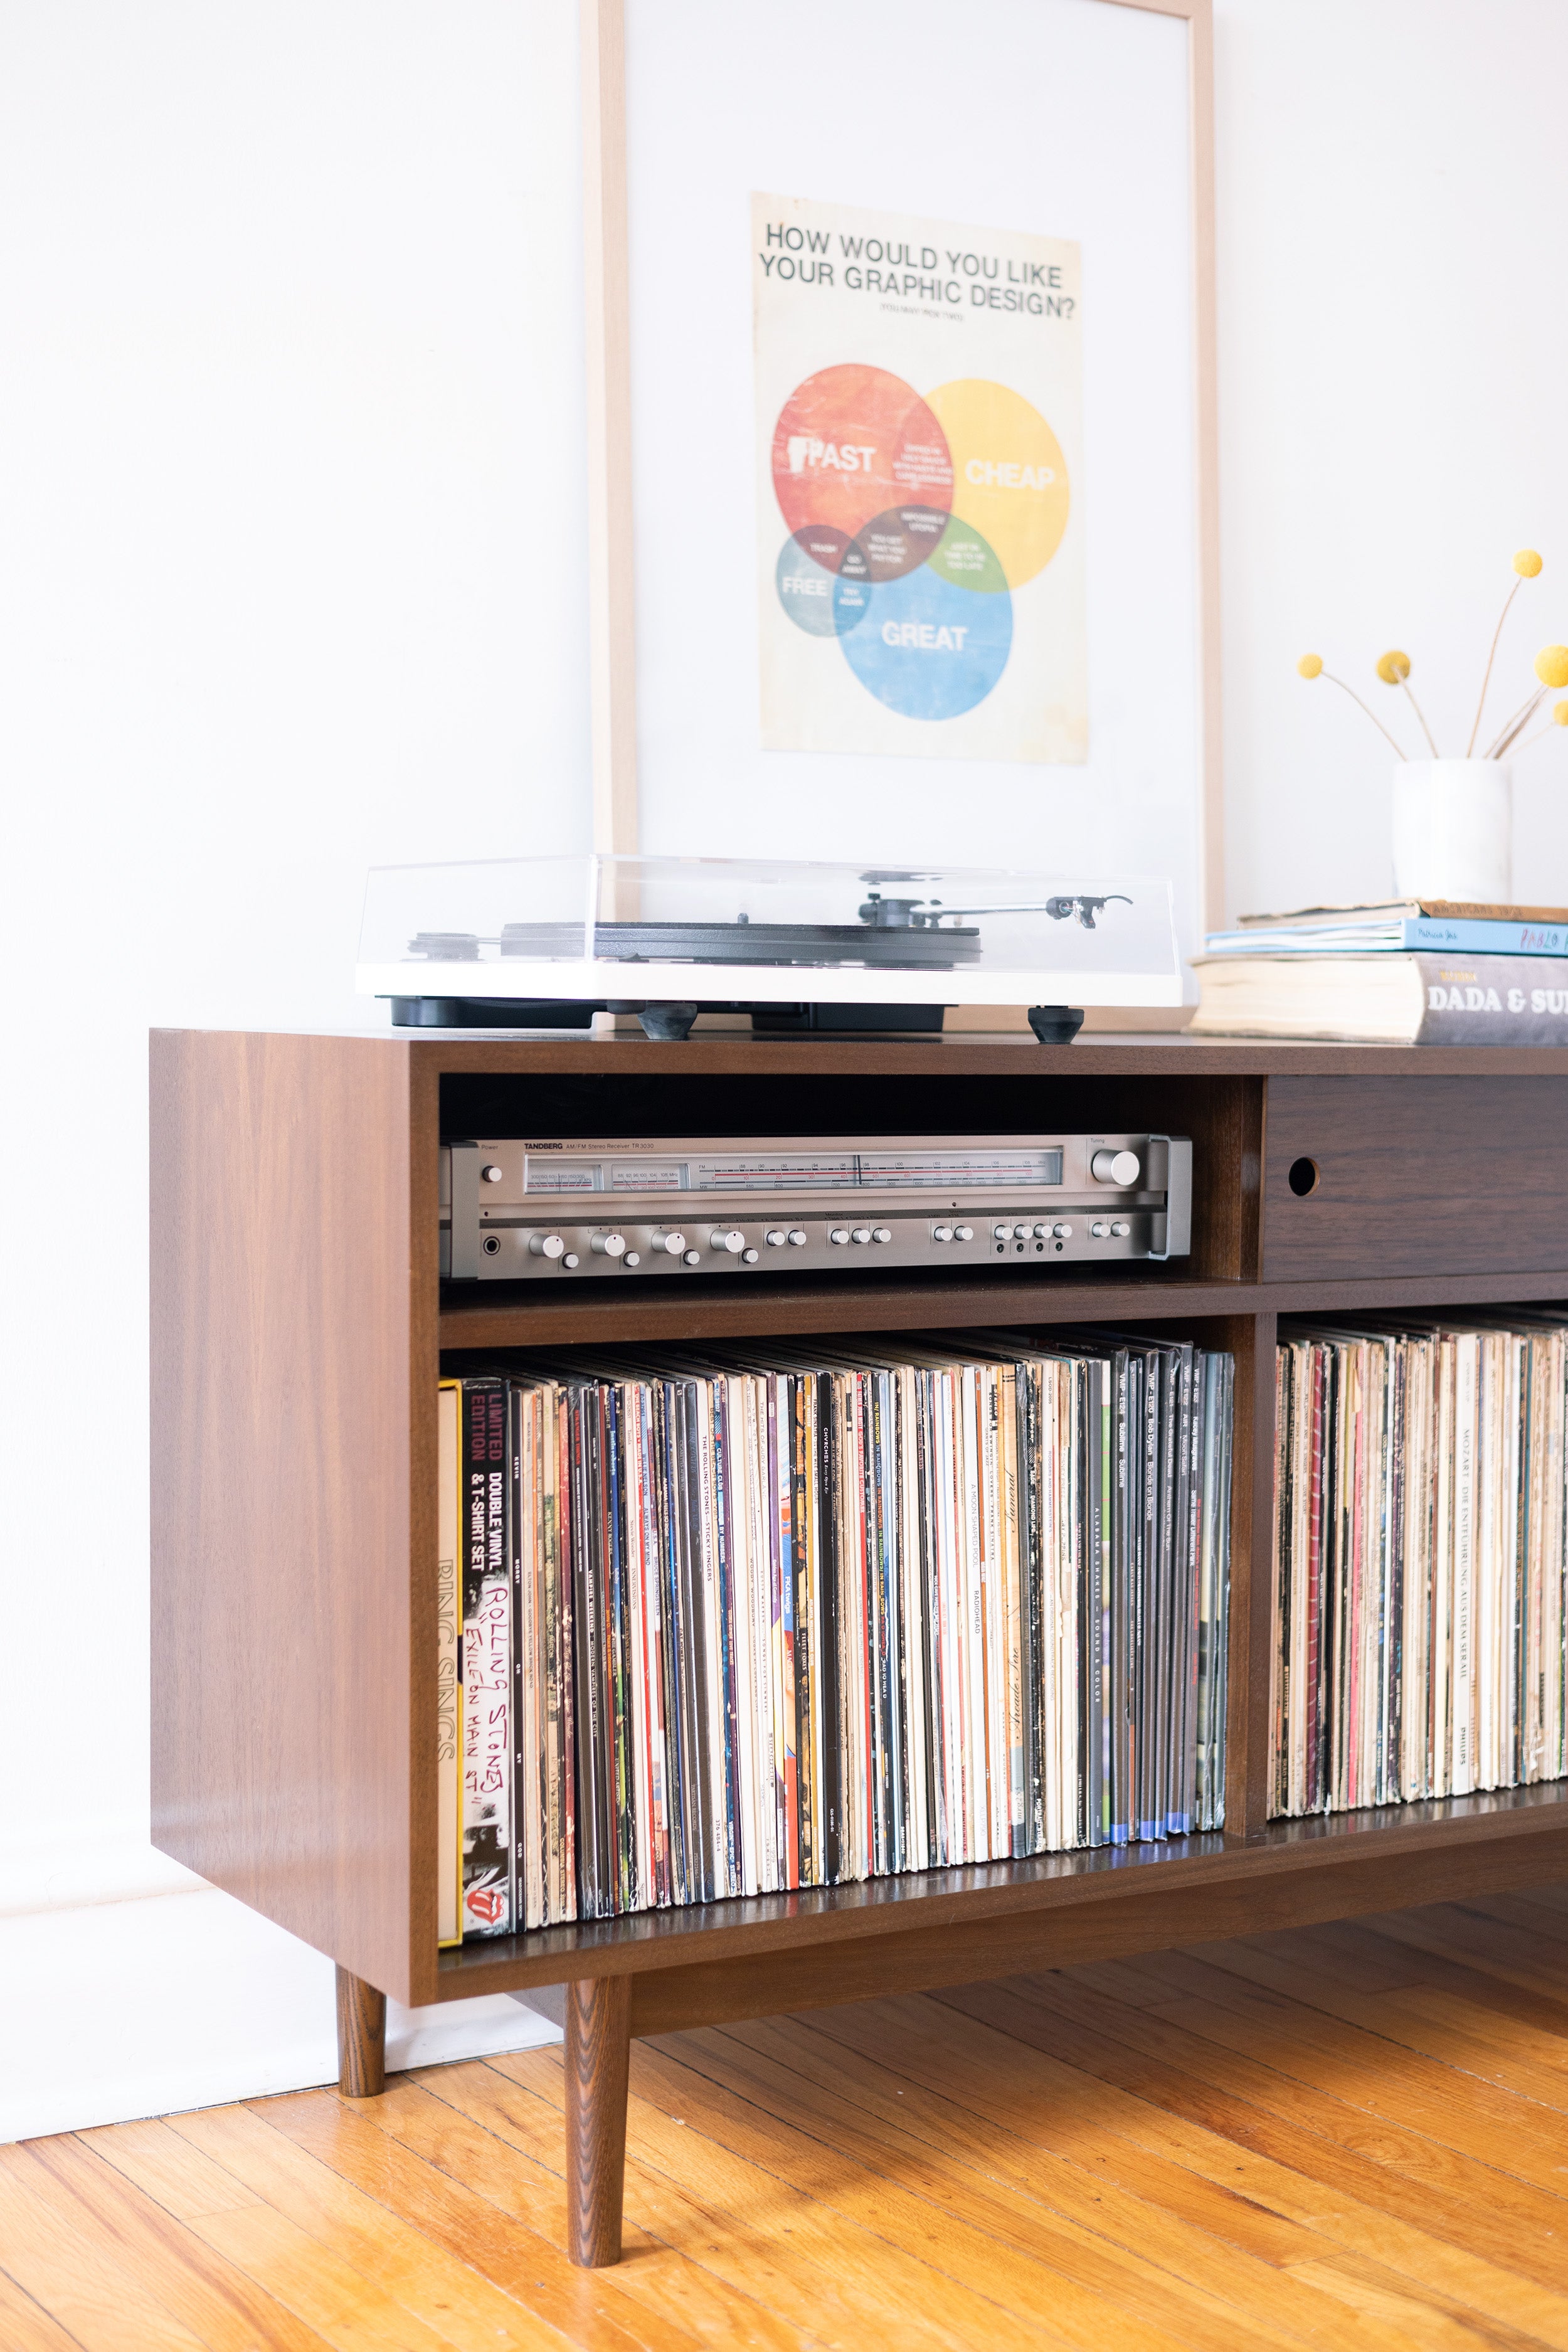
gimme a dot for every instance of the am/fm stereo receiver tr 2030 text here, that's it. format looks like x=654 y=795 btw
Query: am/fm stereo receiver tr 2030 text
x=549 y=1209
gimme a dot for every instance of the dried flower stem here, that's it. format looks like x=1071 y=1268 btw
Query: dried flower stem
x=1497 y=635
x=1521 y=718
x=1371 y=713
x=1424 y=729
x=1551 y=727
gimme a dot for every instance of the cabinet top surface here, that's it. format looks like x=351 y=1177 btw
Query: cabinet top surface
x=968 y=1053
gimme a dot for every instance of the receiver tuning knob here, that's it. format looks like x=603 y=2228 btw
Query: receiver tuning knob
x=1115 y=1168
x=545 y=1245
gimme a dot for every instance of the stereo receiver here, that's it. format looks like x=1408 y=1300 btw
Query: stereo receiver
x=548 y=1210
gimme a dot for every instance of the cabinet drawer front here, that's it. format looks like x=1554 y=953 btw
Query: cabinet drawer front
x=1414 y=1175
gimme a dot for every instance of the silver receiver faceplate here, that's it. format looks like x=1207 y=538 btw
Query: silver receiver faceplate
x=547 y=1210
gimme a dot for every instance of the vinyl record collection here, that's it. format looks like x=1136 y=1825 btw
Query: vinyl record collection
x=735 y=1625
x=1421 y=1553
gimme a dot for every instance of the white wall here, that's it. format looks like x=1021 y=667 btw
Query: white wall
x=1393 y=342
x=291 y=580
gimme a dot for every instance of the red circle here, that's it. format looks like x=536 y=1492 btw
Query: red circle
x=852 y=442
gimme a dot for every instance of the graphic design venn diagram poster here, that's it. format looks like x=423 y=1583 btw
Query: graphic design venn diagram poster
x=920 y=486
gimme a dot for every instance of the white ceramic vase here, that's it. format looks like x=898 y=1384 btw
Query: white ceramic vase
x=1453 y=830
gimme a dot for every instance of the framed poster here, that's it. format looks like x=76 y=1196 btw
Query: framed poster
x=901 y=387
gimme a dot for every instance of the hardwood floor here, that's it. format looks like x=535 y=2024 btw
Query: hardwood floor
x=1353 y=2136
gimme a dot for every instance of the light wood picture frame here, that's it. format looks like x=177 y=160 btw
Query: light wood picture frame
x=618 y=822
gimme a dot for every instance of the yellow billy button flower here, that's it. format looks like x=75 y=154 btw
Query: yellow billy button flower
x=1527 y=563
x=1310 y=666
x=1552 y=665
x=1394 y=669
x=1560 y=714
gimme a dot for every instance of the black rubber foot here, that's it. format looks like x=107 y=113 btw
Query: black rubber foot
x=1055 y=1025
x=668 y=1020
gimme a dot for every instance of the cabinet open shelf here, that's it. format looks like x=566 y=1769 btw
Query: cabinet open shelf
x=300 y=1329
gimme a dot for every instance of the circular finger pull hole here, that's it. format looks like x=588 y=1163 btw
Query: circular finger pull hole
x=492 y=1244
x=1303 y=1177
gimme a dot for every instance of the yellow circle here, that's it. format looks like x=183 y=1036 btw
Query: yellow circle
x=1009 y=476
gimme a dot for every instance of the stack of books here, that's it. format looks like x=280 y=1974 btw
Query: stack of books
x=1421 y=1557
x=1407 y=972
x=732 y=1625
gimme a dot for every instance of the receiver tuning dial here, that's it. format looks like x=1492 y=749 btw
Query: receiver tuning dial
x=545 y=1245
x=1115 y=1168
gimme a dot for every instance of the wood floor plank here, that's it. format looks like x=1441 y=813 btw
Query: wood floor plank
x=997 y=2238
x=223 y=2308
x=345 y=2305
x=1351 y=2137
x=1274 y=2278
x=1494 y=1945
x=1419 y=1965
x=1328 y=2143
x=433 y=2294
x=973 y=2089
x=583 y=2305
x=1378 y=2077
x=673 y=2245
x=26 y=2326
x=668 y=2292
x=76 y=2279
x=840 y=2268
x=1513 y=2053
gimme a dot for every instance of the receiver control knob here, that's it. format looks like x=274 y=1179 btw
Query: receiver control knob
x=491 y=1175
x=1115 y=1168
x=733 y=1242
x=838 y=1234
x=964 y=1233
x=750 y=1256
x=775 y=1237
x=1061 y=1232
x=861 y=1233
x=942 y=1232
x=631 y=1259
x=691 y=1257
x=1001 y=1232
x=609 y=1244
x=882 y=1232
x=545 y=1245
x=1100 y=1229
x=797 y=1237
x=674 y=1243
x=1041 y=1232
x=1120 y=1229
x=571 y=1260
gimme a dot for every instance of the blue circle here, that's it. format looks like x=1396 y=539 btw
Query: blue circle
x=925 y=646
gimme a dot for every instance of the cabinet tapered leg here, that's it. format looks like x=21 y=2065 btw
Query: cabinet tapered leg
x=598 y=2048
x=361 y=2038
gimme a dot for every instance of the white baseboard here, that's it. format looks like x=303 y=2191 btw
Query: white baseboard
x=169 y=1995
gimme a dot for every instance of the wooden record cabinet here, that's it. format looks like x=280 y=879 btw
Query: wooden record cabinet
x=298 y=1328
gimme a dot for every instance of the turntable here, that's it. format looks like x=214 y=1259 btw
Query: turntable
x=547 y=942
